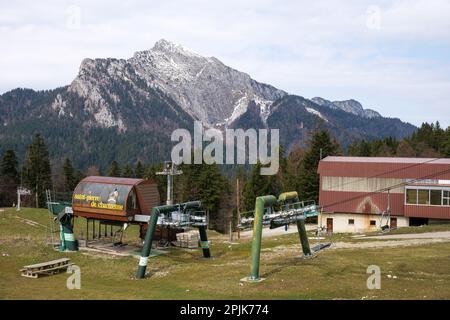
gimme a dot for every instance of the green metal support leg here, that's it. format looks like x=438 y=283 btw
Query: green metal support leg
x=204 y=242
x=62 y=245
x=260 y=204
x=156 y=211
x=68 y=241
x=303 y=237
x=147 y=244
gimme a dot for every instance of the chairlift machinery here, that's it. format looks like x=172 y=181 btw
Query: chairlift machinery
x=386 y=215
x=290 y=210
x=120 y=202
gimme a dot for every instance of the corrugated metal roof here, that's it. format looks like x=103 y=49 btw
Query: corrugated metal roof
x=113 y=180
x=401 y=168
x=387 y=160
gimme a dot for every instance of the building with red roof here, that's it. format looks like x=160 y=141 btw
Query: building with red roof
x=359 y=194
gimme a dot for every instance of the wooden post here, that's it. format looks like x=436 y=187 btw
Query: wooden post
x=237 y=209
x=18 y=200
x=87 y=231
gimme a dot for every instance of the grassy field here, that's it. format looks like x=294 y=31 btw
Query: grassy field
x=409 y=272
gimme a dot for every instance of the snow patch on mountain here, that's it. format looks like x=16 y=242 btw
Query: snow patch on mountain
x=239 y=109
x=105 y=119
x=264 y=106
x=369 y=113
x=315 y=112
x=59 y=105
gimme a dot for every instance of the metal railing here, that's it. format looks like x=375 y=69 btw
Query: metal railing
x=183 y=219
x=287 y=213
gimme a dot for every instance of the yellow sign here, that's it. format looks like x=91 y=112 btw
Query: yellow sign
x=95 y=202
x=110 y=206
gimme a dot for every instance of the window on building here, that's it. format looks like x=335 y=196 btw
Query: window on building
x=411 y=196
x=373 y=222
x=436 y=197
x=446 y=197
x=432 y=196
x=351 y=221
x=423 y=197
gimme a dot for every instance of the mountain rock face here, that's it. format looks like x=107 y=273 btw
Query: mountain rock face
x=350 y=106
x=297 y=117
x=126 y=109
x=205 y=88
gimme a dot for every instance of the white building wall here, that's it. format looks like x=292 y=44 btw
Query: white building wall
x=361 y=222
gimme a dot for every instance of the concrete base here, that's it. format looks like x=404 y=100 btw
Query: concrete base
x=248 y=279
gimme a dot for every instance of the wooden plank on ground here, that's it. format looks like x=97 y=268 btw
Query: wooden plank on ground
x=43 y=264
x=49 y=267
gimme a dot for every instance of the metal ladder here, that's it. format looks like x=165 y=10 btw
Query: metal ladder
x=48 y=195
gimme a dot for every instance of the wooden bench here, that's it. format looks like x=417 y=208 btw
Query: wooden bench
x=45 y=268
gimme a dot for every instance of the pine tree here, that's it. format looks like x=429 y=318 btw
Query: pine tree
x=69 y=176
x=294 y=162
x=161 y=181
x=37 y=171
x=205 y=183
x=114 y=169
x=9 y=166
x=446 y=143
x=257 y=185
x=360 y=148
x=79 y=175
x=139 y=171
x=405 y=149
x=9 y=178
x=128 y=172
x=248 y=197
x=321 y=145
x=212 y=186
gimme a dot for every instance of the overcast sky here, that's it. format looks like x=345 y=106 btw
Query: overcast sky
x=392 y=56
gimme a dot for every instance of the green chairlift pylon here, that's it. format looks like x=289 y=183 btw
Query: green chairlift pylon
x=62 y=212
x=156 y=211
x=291 y=211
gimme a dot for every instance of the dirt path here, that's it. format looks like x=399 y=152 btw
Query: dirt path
x=388 y=243
x=426 y=235
x=396 y=240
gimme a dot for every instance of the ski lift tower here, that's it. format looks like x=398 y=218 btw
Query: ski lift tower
x=170 y=170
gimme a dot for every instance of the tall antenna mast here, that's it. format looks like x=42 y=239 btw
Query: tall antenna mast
x=170 y=170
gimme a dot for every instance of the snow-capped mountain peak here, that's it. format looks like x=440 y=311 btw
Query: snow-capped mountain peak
x=164 y=45
x=203 y=86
